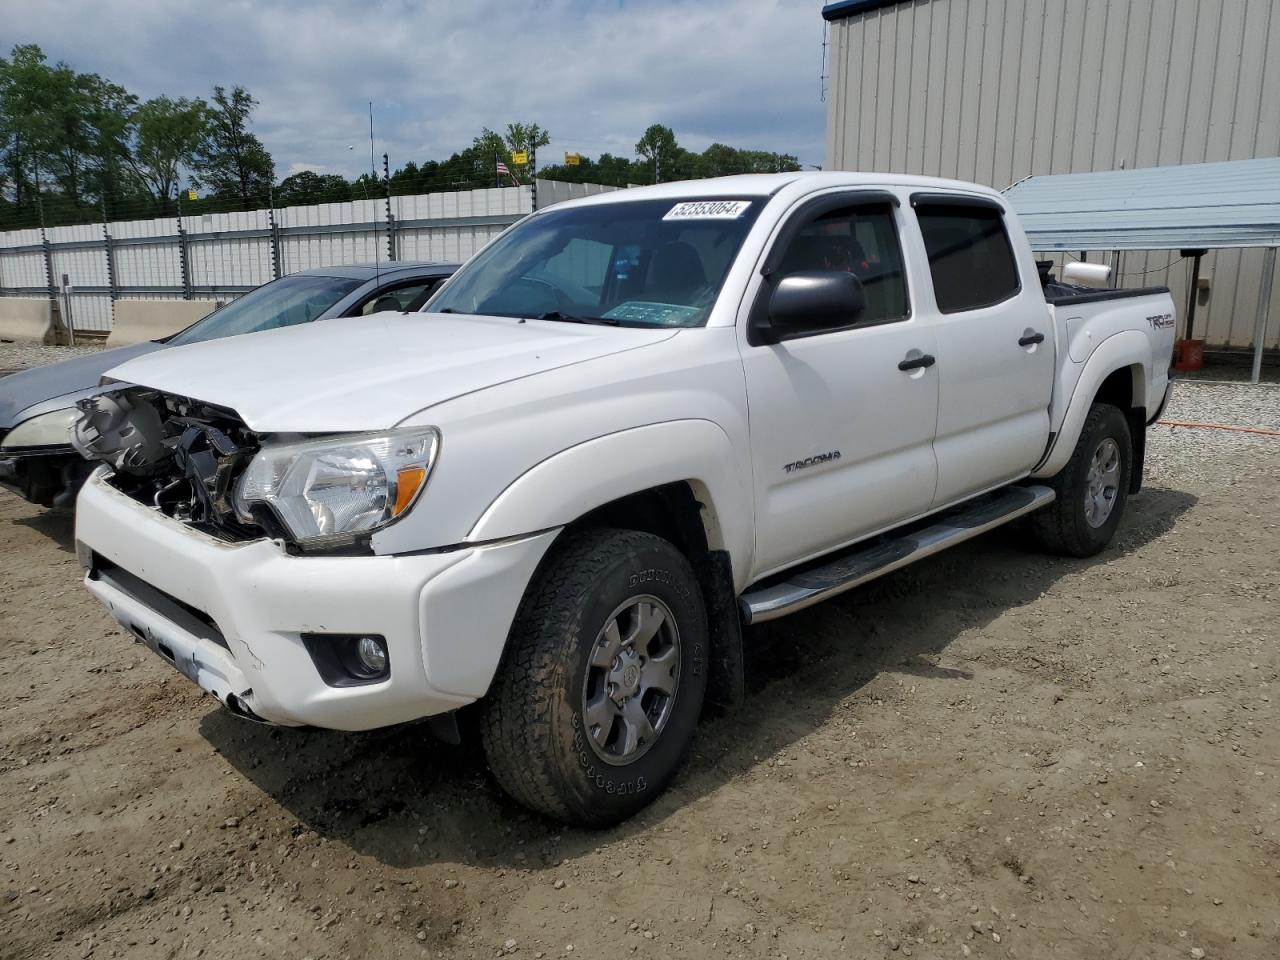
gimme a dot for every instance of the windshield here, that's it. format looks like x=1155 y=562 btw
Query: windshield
x=641 y=263
x=280 y=303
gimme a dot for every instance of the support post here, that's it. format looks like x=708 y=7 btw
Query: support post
x=60 y=322
x=1264 y=309
x=66 y=310
x=533 y=178
x=275 y=241
x=108 y=246
x=391 y=222
x=1194 y=294
x=183 y=254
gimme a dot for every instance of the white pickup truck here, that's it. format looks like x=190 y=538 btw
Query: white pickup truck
x=627 y=428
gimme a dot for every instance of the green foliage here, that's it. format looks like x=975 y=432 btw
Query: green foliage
x=232 y=160
x=658 y=149
x=307 y=187
x=168 y=135
x=61 y=131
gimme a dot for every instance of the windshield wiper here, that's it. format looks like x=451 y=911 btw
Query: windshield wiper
x=575 y=318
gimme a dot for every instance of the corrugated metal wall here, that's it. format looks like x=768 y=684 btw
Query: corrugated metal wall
x=229 y=253
x=997 y=90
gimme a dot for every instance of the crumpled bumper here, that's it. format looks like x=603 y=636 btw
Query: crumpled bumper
x=230 y=616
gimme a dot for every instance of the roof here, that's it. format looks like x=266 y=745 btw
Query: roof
x=768 y=185
x=840 y=9
x=1235 y=203
x=367 y=271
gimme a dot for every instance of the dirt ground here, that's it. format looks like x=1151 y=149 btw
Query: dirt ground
x=990 y=754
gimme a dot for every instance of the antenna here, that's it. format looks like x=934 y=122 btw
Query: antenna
x=822 y=75
x=373 y=175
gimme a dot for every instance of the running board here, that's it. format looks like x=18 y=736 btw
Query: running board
x=816 y=584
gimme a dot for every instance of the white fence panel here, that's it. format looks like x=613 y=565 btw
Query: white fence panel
x=227 y=254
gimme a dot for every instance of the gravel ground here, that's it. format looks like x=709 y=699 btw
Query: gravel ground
x=1179 y=454
x=989 y=754
x=20 y=356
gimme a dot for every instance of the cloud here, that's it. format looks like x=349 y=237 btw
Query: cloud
x=593 y=72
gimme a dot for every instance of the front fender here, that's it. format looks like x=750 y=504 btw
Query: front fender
x=575 y=481
x=1126 y=349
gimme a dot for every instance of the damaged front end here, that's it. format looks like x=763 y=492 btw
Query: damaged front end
x=199 y=464
x=177 y=455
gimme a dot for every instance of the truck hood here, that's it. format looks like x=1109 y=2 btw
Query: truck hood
x=370 y=373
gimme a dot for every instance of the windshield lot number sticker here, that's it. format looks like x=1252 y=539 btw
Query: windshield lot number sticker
x=708 y=210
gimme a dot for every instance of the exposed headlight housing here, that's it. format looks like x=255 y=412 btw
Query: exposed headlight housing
x=333 y=491
x=51 y=429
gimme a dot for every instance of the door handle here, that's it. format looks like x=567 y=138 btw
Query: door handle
x=915 y=363
x=1030 y=338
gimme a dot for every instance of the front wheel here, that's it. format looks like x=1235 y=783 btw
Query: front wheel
x=1092 y=488
x=595 y=705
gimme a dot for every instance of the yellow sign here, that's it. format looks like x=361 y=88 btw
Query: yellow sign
x=573 y=159
x=191 y=195
x=520 y=157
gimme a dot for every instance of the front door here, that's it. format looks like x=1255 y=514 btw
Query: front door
x=841 y=437
x=995 y=347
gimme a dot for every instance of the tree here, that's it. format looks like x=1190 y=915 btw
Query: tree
x=307 y=186
x=658 y=147
x=232 y=161
x=526 y=137
x=71 y=127
x=167 y=136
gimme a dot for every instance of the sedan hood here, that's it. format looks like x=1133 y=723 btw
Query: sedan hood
x=370 y=373
x=71 y=378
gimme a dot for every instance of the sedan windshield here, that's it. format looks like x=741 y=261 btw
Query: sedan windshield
x=281 y=303
x=641 y=263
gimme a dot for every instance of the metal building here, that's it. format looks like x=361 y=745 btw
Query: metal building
x=998 y=90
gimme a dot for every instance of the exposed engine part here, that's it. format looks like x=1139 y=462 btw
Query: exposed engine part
x=178 y=455
x=208 y=460
x=123 y=430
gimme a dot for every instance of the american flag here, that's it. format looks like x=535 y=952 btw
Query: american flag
x=504 y=171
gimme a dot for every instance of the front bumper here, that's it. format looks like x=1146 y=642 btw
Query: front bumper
x=230 y=616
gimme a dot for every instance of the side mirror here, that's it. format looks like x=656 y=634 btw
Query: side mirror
x=812 y=301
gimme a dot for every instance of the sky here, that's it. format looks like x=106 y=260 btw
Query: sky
x=594 y=73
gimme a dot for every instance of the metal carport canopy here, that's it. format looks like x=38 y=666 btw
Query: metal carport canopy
x=1210 y=205
x=1195 y=206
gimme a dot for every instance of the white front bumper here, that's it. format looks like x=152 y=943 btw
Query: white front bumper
x=230 y=616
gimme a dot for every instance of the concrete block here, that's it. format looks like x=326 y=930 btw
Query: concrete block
x=24 y=319
x=139 y=320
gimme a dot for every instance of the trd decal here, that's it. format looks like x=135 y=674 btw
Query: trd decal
x=1160 y=321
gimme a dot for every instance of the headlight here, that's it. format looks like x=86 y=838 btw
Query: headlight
x=332 y=490
x=47 y=430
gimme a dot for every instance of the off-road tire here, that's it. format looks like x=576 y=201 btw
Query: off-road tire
x=532 y=726
x=1062 y=527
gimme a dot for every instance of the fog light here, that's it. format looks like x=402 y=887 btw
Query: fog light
x=372 y=654
x=348 y=659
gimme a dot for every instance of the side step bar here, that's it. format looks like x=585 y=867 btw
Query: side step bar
x=815 y=584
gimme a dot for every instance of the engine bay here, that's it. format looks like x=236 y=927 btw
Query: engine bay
x=178 y=455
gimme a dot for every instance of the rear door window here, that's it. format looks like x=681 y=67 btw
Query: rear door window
x=970 y=257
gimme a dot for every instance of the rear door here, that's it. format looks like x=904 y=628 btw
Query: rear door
x=841 y=437
x=995 y=346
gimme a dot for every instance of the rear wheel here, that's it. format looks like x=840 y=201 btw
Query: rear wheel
x=1092 y=488
x=600 y=690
